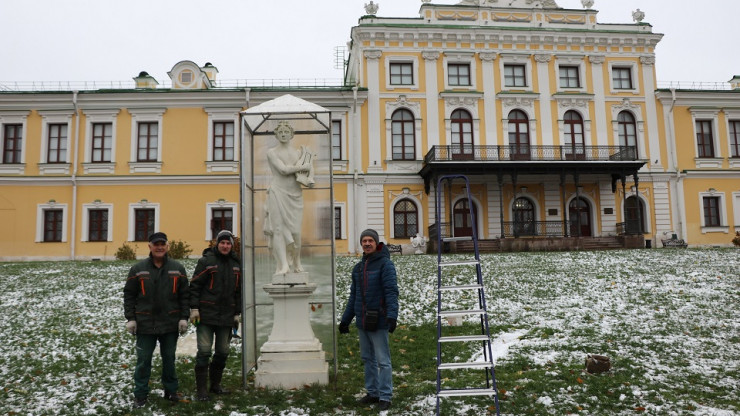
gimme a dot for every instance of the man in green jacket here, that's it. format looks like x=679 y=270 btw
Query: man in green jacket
x=215 y=307
x=155 y=303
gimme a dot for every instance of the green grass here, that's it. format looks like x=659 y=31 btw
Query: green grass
x=667 y=318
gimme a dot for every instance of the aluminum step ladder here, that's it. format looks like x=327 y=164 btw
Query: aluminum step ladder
x=461 y=280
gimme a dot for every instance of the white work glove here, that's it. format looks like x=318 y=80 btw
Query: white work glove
x=131 y=327
x=194 y=316
x=182 y=326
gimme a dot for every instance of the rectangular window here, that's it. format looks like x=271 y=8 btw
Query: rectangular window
x=12 y=141
x=147 y=143
x=704 y=138
x=336 y=140
x=53 y=225
x=711 y=211
x=402 y=73
x=622 y=78
x=102 y=141
x=458 y=74
x=221 y=219
x=514 y=76
x=223 y=141
x=143 y=223
x=337 y=223
x=569 y=77
x=57 y=144
x=734 y=138
x=97 y=225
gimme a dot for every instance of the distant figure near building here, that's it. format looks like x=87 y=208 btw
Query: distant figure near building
x=291 y=168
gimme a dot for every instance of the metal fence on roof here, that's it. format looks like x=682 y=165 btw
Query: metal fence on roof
x=21 y=86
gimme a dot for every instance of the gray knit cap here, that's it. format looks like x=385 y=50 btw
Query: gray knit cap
x=225 y=235
x=370 y=233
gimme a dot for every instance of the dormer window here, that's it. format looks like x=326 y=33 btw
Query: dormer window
x=186 y=77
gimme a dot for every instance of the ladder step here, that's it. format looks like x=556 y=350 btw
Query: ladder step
x=459 y=263
x=447 y=239
x=460 y=287
x=444 y=314
x=466 y=392
x=457 y=366
x=464 y=338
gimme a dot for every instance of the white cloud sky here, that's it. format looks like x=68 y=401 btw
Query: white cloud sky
x=113 y=40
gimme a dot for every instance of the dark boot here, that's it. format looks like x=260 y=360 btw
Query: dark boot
x=201 y=383
x=216 y=371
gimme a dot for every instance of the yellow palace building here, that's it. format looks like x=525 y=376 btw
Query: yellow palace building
x=556 y=118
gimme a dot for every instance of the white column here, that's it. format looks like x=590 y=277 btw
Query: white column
x=607 y=199
x=374 y=123
x=543 y=78
x=651 y=109
x=494 y=219
x=432 y=98
x=375 y=204
x=662 y=209
x=489 y=97
x=597 y=74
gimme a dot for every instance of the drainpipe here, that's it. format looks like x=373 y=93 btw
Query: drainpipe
x=73 y=153
x=674 y=162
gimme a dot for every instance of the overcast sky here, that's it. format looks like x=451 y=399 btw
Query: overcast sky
x=113 y=40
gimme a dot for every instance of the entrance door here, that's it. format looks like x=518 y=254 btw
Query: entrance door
x=631 y=207
x=462 y=222
x=579 y=208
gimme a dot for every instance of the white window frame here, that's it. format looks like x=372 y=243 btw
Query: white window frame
x=132 y=207
x=415 y=200
x=415 y=108
x=571 y=61
x=145 y=115
x=94 y=117
x=223 y=115
x=736 y=209
x=14 y=117
x=517 y=59
x=461 y=58
x=86 y=220
x=402 y=59
x=633 y=76
x=221 y=204
x=48 y=118
x=723 y=228
x=40 y=209
x=700 y=115
x=636 y=111
x=731 y=115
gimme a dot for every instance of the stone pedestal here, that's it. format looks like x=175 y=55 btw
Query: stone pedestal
x=292 y=356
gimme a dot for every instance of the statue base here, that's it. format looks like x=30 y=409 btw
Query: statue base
x=292 y=357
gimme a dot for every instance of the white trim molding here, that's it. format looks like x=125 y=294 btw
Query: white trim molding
x=145 y=115
x=86 y=219
x=40 y=209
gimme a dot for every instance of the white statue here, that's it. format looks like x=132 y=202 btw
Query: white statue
x=638 y=15
x=371 y=8
x=418 y=242
x=587 y=4
x=291 y=168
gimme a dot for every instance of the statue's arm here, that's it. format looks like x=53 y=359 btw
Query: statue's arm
x=279 y=166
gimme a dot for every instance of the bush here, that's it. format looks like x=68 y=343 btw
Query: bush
x=126 y=252
x=179 y=249
x=736 y=240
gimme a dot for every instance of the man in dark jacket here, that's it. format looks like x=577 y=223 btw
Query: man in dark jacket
x=373 y=299
x=155 y=303
x=215 y=307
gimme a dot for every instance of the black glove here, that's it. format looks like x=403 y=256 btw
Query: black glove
x=391 y=324
x=343 y=328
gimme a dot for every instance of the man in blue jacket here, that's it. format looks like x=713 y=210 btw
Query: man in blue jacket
x=373 y=299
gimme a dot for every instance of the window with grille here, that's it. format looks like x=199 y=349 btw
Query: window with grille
x=12 y=142
x=148 y=142
x=704 y=138
x=337 y=223
x=622 y=78
x=515 y=75
x=102 y=142
x=57 y=144
x=405 y=219
x=403 y=135
x=569 y=77
x=53 y=225
x=627 y=129
x=143 y=223
x=712 y=212
x=223 y=141
x=221 y=219
x=336 y=140
x=402 y=73
x=97 y=225
x=458 y=74
x=734 y=138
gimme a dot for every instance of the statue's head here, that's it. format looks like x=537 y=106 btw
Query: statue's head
x=284 y=130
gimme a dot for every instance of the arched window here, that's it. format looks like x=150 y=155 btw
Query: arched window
x=405 y=219
x=574 y=144
x=403 y=136
x=579 y=214
x=627 y=130
x=462 y=220
x=632 y=208
x=519 y=135
x=461 y=123
x=524 y=223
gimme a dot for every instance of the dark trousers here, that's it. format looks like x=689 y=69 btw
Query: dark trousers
x=145 y=344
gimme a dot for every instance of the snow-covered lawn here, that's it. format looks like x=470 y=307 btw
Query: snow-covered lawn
x=669 y=320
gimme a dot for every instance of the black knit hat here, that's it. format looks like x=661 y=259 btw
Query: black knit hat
x=225 y=235
x=370 y=233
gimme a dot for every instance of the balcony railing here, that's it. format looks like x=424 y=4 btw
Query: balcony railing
x=629 y=227
x=530 y=153
x=534 y=229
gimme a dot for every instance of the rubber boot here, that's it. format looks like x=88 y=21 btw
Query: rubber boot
x=216 y=371
x=201 y=383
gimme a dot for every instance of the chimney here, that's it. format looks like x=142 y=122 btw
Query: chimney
x=210 y=72
x=735 y=82
x=145 y=81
